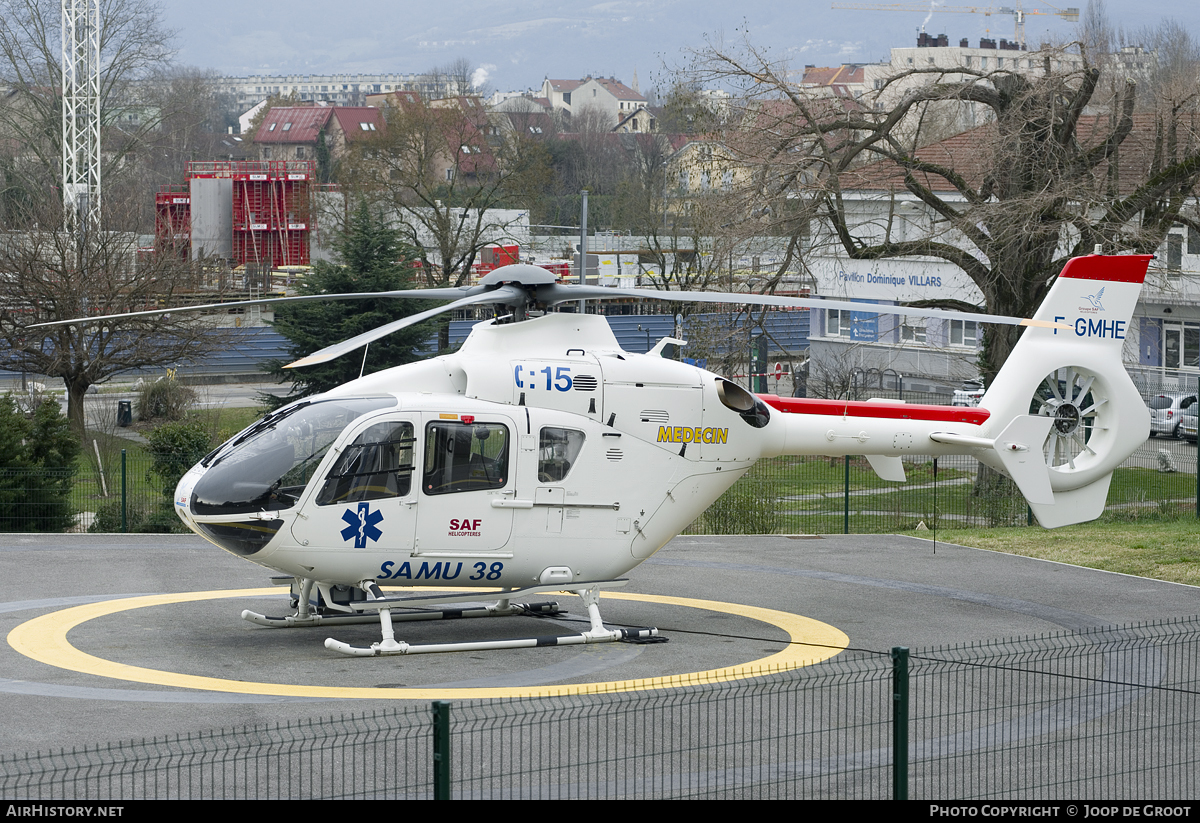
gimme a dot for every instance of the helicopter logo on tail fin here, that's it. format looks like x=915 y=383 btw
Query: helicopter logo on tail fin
x=362 y=524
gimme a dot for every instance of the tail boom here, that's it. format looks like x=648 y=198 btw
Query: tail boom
x=1058 y=439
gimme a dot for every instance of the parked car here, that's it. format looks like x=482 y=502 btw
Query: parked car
x=1188 y=422
x=1167 y=410
x=969 y=395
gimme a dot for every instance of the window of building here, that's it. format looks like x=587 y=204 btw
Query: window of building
x=964 y=333
x=271 y=127
x=449 y=175
x=837 y=323
x=1174 y=252
x=287 y=126
x=683 y=180
x=912 y=330
x=1181 y=345
x=727 y=180
x=1193 y=237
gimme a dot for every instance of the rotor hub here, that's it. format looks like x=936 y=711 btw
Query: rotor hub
x=1066 y=418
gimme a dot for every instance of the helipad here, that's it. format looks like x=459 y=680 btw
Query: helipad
x=118 y=637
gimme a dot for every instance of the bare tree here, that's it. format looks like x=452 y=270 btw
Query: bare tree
x=133 y=43
x=190 y=127
x=50 y=275
x=455 y=76
x=1045 y=180
x=452 y=178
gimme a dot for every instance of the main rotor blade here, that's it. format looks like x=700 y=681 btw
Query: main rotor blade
x=561 y=293
x=407 y=294
x=500 y=295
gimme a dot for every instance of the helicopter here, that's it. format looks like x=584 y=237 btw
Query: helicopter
x=541 y=457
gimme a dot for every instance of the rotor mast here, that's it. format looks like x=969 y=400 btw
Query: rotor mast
x=81 y=114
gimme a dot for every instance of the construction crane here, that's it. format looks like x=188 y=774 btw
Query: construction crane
x=81 y=114
x=1071 y=15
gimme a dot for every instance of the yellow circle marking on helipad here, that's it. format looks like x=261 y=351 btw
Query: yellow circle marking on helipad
x=45 y=639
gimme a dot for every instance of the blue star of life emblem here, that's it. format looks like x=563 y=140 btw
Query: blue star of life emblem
x=362 y=524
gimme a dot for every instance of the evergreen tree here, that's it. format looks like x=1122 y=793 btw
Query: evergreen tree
x=37 y=468
x=373 y=259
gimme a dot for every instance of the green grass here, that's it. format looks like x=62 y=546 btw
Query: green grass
x=224 y=423
x=1164 y=550
x=1150 y=528
x=827 y=475
x=1146 y=487
x=140 y=489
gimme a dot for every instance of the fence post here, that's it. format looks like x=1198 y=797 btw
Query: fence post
x=124 y=498
x=846 y=499
x=441 y=750
x=899 y=723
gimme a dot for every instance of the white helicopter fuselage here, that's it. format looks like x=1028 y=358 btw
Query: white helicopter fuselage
x=541 y=453
x=606 y=456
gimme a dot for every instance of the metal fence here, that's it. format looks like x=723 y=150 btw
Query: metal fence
x=784 y=495
x=835 y=495
x=1109 y=713
x=125 y=496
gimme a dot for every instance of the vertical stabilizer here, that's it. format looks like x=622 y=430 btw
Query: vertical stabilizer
x=1075 y=376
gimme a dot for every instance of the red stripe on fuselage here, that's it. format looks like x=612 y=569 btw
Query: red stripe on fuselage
x=890 y=411
x=1119 y=268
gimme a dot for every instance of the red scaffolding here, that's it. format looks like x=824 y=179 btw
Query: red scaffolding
x=173 y=221
x=272 y=214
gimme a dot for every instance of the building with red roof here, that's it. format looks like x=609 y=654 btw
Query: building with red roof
x=296 y=132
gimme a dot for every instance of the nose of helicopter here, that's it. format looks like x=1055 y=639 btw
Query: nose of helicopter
x=183 y=494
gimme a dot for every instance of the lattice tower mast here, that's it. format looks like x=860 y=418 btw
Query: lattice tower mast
x=81 y=113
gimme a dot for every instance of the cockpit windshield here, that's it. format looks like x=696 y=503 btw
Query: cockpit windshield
x=267 y=466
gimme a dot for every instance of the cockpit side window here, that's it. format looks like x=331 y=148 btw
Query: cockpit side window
x=558 y=451
x=462 y=457
x=377 y=465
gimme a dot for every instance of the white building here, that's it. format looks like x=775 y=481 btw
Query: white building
x=1162 y=347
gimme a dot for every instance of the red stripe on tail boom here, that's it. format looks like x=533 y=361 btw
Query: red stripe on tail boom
x=890 y=411
x=1121 y=268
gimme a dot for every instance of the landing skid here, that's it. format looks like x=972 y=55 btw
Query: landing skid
x=296 y=621
x=426 y=606
x=376 y=600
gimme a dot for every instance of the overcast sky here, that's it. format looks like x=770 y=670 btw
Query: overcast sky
x=518 y=43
